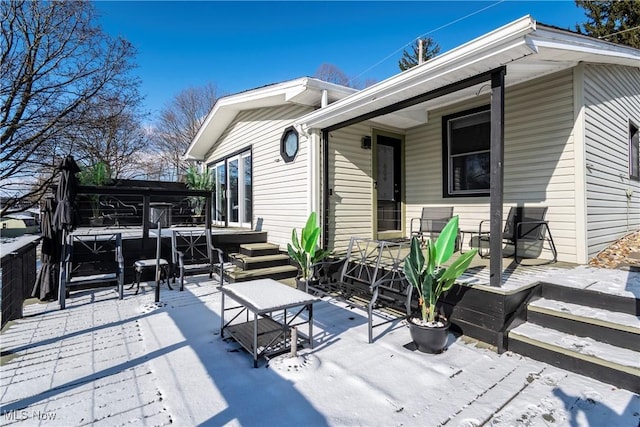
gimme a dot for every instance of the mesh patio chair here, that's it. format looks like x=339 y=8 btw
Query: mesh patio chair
x=431 y=222
x=524 y=235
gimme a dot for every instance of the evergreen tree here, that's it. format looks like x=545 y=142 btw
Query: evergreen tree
x=410 y=58
x=617 y=21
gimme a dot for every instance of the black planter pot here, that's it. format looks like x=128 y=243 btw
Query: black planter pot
x=303 y=285
x=429 y=339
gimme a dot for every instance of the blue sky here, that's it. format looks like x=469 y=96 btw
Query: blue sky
x=243 y=45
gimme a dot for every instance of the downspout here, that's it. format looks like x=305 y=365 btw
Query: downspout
x=580 y=168
x=313 y=175
x=325 y=188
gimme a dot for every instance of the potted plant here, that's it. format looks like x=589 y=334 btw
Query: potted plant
x=198 y=180
x=305 y=251
x=96 y=174
x=426 y=273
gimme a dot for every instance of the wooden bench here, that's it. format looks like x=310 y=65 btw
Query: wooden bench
x=91 y=259
x=369 y=276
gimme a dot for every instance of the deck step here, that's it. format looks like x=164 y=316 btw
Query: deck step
x=611 y=327
x=259 y=249
x=608 y=363
x=276 y=273
x=264 y=261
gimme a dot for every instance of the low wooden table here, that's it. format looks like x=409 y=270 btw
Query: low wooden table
x=275 y=308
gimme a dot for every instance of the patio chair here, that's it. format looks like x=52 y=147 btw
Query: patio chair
x=92 y=259
x=193 y=252
x=525 y=233
x=431 y=222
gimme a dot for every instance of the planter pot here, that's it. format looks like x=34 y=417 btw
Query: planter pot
x=429 y=339
x=303 y=285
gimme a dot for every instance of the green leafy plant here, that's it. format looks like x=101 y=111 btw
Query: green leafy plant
x=425 y=272
x=96 y=174
x=305 y=250
x=197 y=180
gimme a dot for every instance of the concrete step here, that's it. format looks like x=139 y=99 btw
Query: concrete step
x=611 y=327
x=246 y=262
x=605 y=362
x=259 y=249
x=276 y=273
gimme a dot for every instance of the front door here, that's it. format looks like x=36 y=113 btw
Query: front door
x=388 y=188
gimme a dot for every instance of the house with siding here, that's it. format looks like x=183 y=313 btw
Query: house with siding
x=526 y=115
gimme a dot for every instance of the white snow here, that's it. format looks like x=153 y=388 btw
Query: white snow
x=583 y=345
x=108 y=362
x=610 y=318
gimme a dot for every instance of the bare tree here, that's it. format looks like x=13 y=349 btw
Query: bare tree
x=54 y=62
x=111 y=133
x=333 y=74
x=179 y=123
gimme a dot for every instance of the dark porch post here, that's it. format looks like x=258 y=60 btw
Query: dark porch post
x=497 y=175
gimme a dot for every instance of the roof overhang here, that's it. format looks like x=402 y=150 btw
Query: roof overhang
x=527 y=49
x=303 y=91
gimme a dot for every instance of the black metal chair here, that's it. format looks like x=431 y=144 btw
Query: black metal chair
x=92 y=259
x=431 y=222
x=524 y=235
x=193 y=252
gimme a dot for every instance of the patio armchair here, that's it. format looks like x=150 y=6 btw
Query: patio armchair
x=431 y=222
x=192 y=251
x=524 y=235
x=90 y=260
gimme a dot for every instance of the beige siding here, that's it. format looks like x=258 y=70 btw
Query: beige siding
x=612 y=98
x=539 y=159
x=279 y=189
x=350 y=204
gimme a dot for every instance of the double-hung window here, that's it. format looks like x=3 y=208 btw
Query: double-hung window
x=466 y=149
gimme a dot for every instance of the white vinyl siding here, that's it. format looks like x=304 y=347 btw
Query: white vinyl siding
x=351 y=202
x=279 y=188
x=538 y=159
x=612 y=98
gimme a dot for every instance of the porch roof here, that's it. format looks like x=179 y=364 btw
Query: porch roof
x=303 y=91
x=528 y=50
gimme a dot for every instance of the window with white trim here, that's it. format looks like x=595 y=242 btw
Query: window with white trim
x=467 y=152
x=634 y=152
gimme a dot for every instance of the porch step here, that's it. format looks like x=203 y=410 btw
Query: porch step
x=605 y=362
x=589 y=332
x=254 y=262
x=276 y=273
x=259 y=249
x=611 y=327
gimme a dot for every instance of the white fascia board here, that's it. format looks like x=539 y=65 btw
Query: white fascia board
x=499 y=40
x=584 y=49
x=226 y=108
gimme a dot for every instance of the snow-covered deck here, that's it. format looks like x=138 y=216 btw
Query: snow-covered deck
x=108 y=362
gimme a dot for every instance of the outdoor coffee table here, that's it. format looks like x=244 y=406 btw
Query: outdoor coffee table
x=276 y=309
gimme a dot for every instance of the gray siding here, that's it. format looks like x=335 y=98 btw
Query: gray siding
x=279 y=189
x=611 y=98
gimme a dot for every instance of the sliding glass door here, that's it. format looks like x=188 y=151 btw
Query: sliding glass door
x=233 y=193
